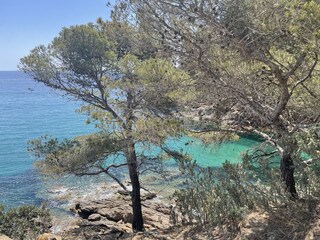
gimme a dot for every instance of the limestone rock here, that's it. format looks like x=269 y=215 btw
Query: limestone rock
x=4 y=237
x=138 y=236
x=94 y=217
x=115 y=214
x=49 y=236
x=85 y=209
x=93 y=230
x=148 y=196
x=127 y=218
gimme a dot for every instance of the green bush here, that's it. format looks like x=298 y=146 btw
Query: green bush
x=24 y=222
x=224 y=196
x=217 y=196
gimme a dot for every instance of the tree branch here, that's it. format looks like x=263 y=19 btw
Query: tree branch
x=311 y=161
x=269 y=140
x=309 y=75
x=106 y=171
x=296 y=65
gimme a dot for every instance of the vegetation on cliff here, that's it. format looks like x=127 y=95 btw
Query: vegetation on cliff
x=24 y=222
x=130 y=94
x=255 y=63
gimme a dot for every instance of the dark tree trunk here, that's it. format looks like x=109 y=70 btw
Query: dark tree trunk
x=137 y=219
x=287 y=171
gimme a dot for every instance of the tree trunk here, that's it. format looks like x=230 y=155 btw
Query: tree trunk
x=137 y=219
x=287 y=171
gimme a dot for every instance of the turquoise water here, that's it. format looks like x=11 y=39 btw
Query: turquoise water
x=29 y=110
x=213 y=155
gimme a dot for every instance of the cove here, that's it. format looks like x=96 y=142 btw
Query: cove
x=215 y=154
x=29 y=110
x=206 y=155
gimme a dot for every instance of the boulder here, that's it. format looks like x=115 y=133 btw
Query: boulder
x=148 y=196
x=138 y=236
x=85 y=209
x=93 y=230
x=4 y=237
x=127 y=218
x=94 y=217
x=123 y=192
x=116 y=213
x=156 y=219
x=113 y=214
x=49 y=236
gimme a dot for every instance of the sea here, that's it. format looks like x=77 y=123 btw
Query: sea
x=29 y=109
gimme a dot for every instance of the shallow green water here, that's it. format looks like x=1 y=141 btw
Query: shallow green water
x=214 y=155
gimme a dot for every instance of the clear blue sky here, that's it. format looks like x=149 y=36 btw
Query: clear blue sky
x=25 y=24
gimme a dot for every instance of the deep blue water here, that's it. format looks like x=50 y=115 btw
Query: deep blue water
x=29 y=110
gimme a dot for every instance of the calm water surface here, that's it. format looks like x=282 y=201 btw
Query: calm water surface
x=29 y=110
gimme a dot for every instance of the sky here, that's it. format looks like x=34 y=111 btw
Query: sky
x=25 y=24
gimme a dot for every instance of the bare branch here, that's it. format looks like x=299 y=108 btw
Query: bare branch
x=269 y=140
x=311 y=161
x=309 y=91
x=296 y=65
x=106 y=171
x=80 y=174
x=205 y=130
x=115 y=166
x=309 y=75
x=263 y=154
x=117 y=180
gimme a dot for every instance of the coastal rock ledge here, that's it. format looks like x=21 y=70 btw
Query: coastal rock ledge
x=111 y=218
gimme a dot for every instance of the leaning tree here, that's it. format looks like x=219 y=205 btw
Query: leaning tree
x=126 y=89
x=256 y=63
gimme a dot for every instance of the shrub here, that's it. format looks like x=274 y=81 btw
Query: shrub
x=24 y=222
x=217 y=197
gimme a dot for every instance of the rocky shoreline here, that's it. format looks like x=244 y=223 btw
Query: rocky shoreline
x=111 y=218
x=105 y=213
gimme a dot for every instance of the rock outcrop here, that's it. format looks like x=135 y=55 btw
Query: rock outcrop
x=4 y=237
x=111 y=218
x=49 y=236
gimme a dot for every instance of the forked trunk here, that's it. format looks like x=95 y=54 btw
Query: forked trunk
x=137 y=219
x=287 y=173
